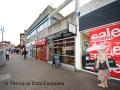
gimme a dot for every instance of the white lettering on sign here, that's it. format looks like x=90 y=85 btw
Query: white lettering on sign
x=116 y=50
x=107 y=35
x=115 y=32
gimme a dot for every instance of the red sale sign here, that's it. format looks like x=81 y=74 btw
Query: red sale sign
x=108 y=35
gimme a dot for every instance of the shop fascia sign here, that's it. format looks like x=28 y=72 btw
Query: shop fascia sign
x=59 y=35
x=41 y=41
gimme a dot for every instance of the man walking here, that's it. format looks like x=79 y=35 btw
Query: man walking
x=24 y=53
x=7 y=55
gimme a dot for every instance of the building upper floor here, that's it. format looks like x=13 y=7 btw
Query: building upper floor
x=22 y=38
x=85 y=11
x=42 y=22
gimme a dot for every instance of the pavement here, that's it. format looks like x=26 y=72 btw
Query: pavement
x=20 y=74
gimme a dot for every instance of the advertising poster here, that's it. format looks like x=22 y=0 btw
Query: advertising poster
x=108 y=35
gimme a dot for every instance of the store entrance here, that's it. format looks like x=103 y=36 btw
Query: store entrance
x=41 y=53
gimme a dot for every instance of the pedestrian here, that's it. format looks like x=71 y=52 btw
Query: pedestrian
x=103 y=68
x=24 y=53
x=53 y=57
x=7 y=55
x=53 y=60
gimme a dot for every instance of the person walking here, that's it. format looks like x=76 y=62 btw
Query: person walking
x=102 y=65
x=24 y=53
x=7 y=55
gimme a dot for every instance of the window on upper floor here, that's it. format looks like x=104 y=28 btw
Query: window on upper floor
x=28 y=36
x=43 y=26
x=33 y=33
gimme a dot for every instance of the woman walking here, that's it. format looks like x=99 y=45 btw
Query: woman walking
x=103 y=68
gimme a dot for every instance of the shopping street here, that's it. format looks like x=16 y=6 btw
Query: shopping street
x=20 y=74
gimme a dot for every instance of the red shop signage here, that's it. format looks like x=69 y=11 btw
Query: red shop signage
x=107 y=33
x=110 y=36
x=42 y=41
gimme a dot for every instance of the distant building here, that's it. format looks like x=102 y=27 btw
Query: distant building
x=12 y=46
x=6 y=45
x=22 y=40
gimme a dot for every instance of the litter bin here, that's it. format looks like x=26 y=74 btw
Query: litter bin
x=2 y=57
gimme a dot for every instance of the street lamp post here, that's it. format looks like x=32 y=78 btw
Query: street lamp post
x=2 y=30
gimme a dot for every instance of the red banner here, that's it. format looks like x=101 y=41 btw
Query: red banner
x=108 y=35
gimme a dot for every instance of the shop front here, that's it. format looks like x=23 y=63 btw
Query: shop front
x=31 y=49
x=101 y=28
x=41 y=49
x=28 y=49
x=108 y=35
x=63 y=44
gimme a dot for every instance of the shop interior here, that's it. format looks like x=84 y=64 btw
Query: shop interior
x=65 y=48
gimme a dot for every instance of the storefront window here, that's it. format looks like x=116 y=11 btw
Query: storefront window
x=105 y=35
x=65 y=48
x=33 y=51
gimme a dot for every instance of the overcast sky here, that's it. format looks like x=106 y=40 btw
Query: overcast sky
x=18 y=15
